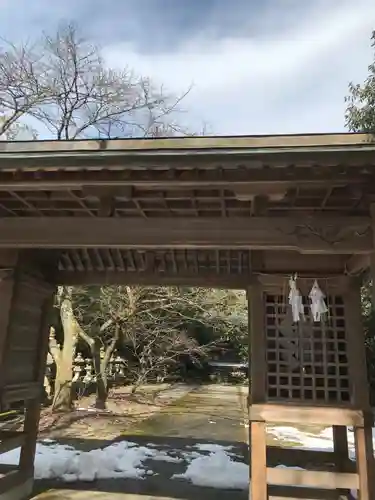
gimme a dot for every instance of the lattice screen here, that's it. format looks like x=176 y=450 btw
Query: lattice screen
x=306 y=361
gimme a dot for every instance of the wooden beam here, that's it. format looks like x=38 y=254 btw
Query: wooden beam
x=152 y=279
x=304 y=458
x=297 y=493
x=310 y=415
x=183 y=143
x=357 y=264
x=205 y=174
x=107 y=206
x=203 y=279
x=314 y=479
x=334 y=235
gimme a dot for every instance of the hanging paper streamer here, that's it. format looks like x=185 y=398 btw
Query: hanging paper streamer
x=318 y=305
x=295 y=300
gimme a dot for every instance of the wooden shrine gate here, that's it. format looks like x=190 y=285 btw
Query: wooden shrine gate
x=234 y=212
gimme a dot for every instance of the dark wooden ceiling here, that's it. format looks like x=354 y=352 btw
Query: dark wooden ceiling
x=184 y=202
x=188 y=177
x=234 y=178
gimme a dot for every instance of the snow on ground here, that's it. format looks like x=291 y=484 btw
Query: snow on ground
x=206 y=464
x=321 y=441
x=217 y=470
x=119 y=460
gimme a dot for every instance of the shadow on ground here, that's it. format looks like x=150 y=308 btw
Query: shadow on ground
x=158 y=486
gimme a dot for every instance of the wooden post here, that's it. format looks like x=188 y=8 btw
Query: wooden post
x=372 y=257
x=258 y=367
x=360 y=393
x=258 y=462
x=341 y=451
x=8 y=260
x=6 y=298
x=33 y=406
x=258 y=371
x=364 y=452
x=340 y=447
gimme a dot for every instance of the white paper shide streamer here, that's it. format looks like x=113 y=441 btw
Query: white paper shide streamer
x=318 y=305
x=295 y=300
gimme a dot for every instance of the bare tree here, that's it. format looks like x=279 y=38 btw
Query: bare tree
x=156 y=346
x=88 y=99
x=23 y=85
x=63 y=84
x=15 y=131
x=155 y=327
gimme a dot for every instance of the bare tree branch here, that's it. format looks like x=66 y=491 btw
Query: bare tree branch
x=22 y=83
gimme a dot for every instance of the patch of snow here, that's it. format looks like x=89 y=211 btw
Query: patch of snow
x=320 y=441
x=119 y=460
x=212 y=447
x=91 y=410
x=210 y=465
x=190 y=455
x=216 y=470
x=48 y=441
x=126 y=459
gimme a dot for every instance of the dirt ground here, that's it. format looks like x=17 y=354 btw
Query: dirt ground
x=124 y=411
x=209 y=413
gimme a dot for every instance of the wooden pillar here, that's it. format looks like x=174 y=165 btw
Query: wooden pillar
x=26 y=298
x=33 y=407
x=6 y=297
x=341 y=451
x=365 y=464
x=8 y=263
x=258 y=362
x=258 y=371
x=359 y=390
x=372 y=256
x=258 y=462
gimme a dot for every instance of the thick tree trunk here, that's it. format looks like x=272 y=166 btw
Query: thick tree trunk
x=101 y=392
x=62 y=400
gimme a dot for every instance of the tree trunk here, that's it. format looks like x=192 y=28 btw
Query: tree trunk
x=62 y=400
x=100 y=377
x=140 y=379
x=100 y=367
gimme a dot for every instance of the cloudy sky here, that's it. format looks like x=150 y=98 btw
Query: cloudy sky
x=256 y=66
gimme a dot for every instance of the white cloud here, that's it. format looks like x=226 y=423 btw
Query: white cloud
x=292 y=81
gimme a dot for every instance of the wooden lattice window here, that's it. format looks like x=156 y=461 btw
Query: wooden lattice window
x=306 y=361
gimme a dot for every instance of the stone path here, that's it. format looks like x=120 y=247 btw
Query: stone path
x=213 y=412
x=209 y=414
